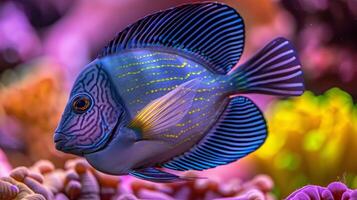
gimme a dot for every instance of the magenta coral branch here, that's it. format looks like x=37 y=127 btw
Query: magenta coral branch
x=335 y=191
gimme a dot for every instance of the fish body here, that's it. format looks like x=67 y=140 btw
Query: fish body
x=160 y=95
x=142 y=76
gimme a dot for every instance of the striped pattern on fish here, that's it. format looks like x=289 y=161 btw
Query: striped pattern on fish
x=163 y=93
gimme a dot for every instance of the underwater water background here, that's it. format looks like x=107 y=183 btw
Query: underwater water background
x=312 y=139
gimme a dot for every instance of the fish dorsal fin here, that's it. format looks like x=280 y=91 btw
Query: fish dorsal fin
x=211 y=31
x=165 y=111
x=240 y=130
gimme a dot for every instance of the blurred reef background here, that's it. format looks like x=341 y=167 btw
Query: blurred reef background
x=312 y=139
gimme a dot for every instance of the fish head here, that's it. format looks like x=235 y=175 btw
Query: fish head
x=92 y=115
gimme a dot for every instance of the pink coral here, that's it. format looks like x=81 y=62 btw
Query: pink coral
x=5 y=166
x=80 y=181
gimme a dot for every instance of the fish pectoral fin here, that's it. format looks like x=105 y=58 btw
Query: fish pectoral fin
x=156 y=175
x=165 y=111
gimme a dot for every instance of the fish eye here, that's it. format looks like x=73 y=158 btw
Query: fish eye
x=81 y=103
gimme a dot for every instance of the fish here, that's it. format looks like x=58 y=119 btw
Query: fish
x=165 y=94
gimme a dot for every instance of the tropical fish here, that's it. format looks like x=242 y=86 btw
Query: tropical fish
x=164 y=94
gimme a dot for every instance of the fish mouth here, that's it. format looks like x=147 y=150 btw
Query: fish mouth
x=61 y=142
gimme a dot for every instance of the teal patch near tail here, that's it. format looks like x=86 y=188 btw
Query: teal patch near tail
x=275 y=70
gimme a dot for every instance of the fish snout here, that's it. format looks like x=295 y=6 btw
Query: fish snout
x=60 y=140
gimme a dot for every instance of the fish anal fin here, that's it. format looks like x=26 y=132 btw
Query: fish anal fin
x=239 y=131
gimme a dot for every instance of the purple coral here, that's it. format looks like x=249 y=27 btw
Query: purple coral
x=334 y=191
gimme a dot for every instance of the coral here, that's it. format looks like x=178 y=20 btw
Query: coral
x=79 y=181
x=313 y=139
x=21 y=185
x=8 y=191
x=335 y=190
x=31 y=101
x=5 y=166
x=258 y=188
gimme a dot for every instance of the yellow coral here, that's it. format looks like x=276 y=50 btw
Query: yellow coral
x=313 y=140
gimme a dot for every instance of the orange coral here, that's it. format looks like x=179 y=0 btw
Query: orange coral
x=35 y=102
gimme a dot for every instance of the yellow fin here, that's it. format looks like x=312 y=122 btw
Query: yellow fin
x=165 y=111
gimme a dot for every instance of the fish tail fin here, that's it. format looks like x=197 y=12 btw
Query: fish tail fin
x=274 y=70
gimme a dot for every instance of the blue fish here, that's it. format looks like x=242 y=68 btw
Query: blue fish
x=163 y=94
